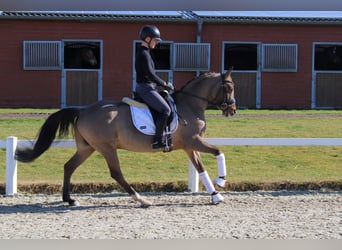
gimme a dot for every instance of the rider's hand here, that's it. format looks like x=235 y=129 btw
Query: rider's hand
x=170 y=86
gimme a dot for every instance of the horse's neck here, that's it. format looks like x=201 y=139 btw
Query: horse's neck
x=195 y=96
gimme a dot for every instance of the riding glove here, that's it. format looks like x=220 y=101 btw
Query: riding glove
x=170 y=86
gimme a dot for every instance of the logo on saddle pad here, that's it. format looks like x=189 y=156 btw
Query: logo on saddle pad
x=142 y=117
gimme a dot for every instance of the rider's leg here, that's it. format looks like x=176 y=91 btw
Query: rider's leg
x=156 y=102
x=161 y=123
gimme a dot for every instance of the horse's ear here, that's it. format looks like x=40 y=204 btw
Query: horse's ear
x=229 y=72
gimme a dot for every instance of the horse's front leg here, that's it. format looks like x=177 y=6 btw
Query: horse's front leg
x=222 y=170
x=197 y=162
x=204 y=147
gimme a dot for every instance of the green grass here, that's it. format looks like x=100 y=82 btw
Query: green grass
x=303 y=124
x=26 y=110
x=245 y=163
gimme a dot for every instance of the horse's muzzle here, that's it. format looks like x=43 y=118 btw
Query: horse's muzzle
x=232 y=109
x=228 y=108
x=229 y=111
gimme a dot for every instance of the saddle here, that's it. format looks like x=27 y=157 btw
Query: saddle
x=143 y=118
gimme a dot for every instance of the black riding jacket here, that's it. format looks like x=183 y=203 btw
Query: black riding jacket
x=144 y=67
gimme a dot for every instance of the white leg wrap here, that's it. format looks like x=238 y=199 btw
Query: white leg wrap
x=221 y=165
x=217 y=198
x=207 y=182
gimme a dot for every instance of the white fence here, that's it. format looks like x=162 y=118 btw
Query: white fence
x=11 y=143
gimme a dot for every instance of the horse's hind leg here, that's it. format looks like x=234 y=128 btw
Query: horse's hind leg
x=110 y=154
x=197 y=162
x=69 y=168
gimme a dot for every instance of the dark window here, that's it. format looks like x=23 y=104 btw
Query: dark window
x=160 y=55
x=82 y=55
x=328 y=57
x=241 y=56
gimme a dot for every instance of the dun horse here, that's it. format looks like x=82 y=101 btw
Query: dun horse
x=107 y=126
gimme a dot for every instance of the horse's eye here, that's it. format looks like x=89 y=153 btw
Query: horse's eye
x=229 y=88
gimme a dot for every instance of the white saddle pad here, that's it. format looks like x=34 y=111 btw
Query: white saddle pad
x=142 y=117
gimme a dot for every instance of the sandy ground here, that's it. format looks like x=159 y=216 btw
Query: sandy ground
x=243 y=215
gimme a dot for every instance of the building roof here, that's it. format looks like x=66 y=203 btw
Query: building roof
x=127 y=16
x=271 y=17
x=259 y=17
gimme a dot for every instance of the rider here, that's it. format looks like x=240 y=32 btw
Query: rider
x=147 y=80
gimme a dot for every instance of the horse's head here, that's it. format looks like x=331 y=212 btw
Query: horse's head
x=214 y=89
x=88 y=56
x=228 y=104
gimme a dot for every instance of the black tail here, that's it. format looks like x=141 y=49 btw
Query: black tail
x=57 y=121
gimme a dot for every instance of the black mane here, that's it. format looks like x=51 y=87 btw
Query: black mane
x=197 y=78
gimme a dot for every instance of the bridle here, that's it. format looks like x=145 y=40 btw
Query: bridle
x=225 y=104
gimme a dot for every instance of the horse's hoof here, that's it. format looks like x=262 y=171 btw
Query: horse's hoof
x=74 y=203
x=217 y=198
x=220 y=182
x=143 y=202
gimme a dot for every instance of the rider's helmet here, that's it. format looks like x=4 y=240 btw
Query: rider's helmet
x=150 y=31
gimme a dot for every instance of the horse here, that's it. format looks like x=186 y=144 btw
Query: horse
x=328 y=57
x=84 y=57
x=106 y=126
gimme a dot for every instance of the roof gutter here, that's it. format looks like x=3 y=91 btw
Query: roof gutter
x=274 y=20
x=186 y=16
x=91 y=17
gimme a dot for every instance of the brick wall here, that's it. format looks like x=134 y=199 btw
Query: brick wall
x=40 y=88
x=23 y=88
x=278 y=90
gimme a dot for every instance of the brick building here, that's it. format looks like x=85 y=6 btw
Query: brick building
x=289 y=60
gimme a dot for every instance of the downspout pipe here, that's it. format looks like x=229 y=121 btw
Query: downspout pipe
x=199 y=36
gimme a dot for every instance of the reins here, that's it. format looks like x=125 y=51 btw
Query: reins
x=224 y=105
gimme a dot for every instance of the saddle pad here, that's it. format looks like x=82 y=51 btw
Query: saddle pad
x=142 y=117
x=133 y=102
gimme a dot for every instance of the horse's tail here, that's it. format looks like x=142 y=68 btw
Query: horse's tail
x=59 y=120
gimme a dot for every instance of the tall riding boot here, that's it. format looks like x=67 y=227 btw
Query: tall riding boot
x=158 y=138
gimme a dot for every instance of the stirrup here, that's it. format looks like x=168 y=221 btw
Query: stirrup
x=221 y=182
x=168 y=148
x=168 y=143
x=158 y=145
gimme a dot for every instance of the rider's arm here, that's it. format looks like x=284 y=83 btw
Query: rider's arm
x=151 y=73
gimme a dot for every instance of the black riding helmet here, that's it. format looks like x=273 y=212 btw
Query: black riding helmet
x=150 y=31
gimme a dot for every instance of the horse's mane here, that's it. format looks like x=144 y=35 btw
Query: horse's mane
x=199 y=78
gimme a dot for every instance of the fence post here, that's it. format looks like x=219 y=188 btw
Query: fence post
x=193 y=178
x=11 y=166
